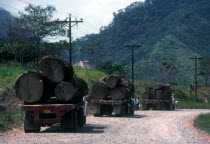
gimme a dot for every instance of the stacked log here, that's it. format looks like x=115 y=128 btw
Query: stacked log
x=55 y=78
x=112 y=87
x=158 y=91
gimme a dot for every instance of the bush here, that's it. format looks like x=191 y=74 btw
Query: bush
x=203 y=122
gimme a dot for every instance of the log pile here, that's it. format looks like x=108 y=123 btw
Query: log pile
x=112 y=87
x=54 y=78
x=158 y=91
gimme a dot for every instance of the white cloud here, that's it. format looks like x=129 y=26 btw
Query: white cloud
x=96 y=13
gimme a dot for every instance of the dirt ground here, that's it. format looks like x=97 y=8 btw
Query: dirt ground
x=163 y=127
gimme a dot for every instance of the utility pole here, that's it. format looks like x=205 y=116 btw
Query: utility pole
x=69 y=34
x=196 y=85
x=132 y=47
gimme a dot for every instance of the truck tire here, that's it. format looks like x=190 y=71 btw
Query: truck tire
x=168 y=105
x=97 y=110
x=29 y=125
x=67 y=121
x=128 y=109
x=75 y=121
x=81 y=117
x=123 y=110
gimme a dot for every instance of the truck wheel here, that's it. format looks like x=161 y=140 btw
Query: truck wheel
x=168 y=106
x=122 y=110
x=75 y=120
x=84 y=122
x=67 y=121
x=81 y=117
x=128 y=109
x=29 y=124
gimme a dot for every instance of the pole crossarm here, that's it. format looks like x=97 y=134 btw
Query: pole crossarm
x=70 y=40
x=196 y=81
x=132 y=46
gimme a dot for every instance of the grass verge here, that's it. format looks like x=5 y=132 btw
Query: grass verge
x=202 y=122
x=10 y=120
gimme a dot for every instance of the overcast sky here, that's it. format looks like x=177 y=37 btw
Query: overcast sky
x=95 y=13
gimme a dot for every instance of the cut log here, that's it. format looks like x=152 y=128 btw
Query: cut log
x=81 y=89
x=156 y=86
x=113 y=81
x=29 y=87
x=81 y=85
x=100 y=90
x=65 y=91
x=119 y=93
x=103 y=79
x=55 y=69
x=127 y=84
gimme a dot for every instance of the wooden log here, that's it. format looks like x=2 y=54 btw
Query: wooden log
x=81 y=89
x=29 y=87
x=103 y=79
x=65 y=91
x=156 y=86
x=126 y=83
x=119 y=93
x=124 y=91
x=99 y=90
x=113 y=81
x=55 y=69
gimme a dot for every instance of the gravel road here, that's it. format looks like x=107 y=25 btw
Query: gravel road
x=144 y=127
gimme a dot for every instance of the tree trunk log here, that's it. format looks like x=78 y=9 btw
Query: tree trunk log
x=113 y=81
x=29 y=87
x=119 y=93
x=81 y=89
x=65 y=91
x=55 y=69
x=100 y=90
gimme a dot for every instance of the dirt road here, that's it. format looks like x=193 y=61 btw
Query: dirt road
x=144 y=127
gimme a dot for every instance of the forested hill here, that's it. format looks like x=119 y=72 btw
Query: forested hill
x=169 y=30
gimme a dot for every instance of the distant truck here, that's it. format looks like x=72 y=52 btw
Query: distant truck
x=113 y=95
x=69 y=116
x=158 y=97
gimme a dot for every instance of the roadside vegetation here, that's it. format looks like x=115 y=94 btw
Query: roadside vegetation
x=202 y=122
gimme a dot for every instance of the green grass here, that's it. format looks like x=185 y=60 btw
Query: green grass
x=203 y=122
x=91 y=76
x=193 y=105
x=10 y=120
x=8 y=75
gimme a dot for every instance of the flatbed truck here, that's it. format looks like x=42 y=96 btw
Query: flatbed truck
x=69 y=116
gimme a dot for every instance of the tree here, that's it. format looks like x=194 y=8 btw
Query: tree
x=165 y=70
x=38 y=23
x=205 y=69
x=93 y=49
x=111 y=68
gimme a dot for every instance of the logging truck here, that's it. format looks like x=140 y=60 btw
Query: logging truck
x=69 y=116
x=52 y=95
x=158 y=97
x=113 y=95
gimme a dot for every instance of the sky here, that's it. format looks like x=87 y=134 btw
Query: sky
x=95 y=13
